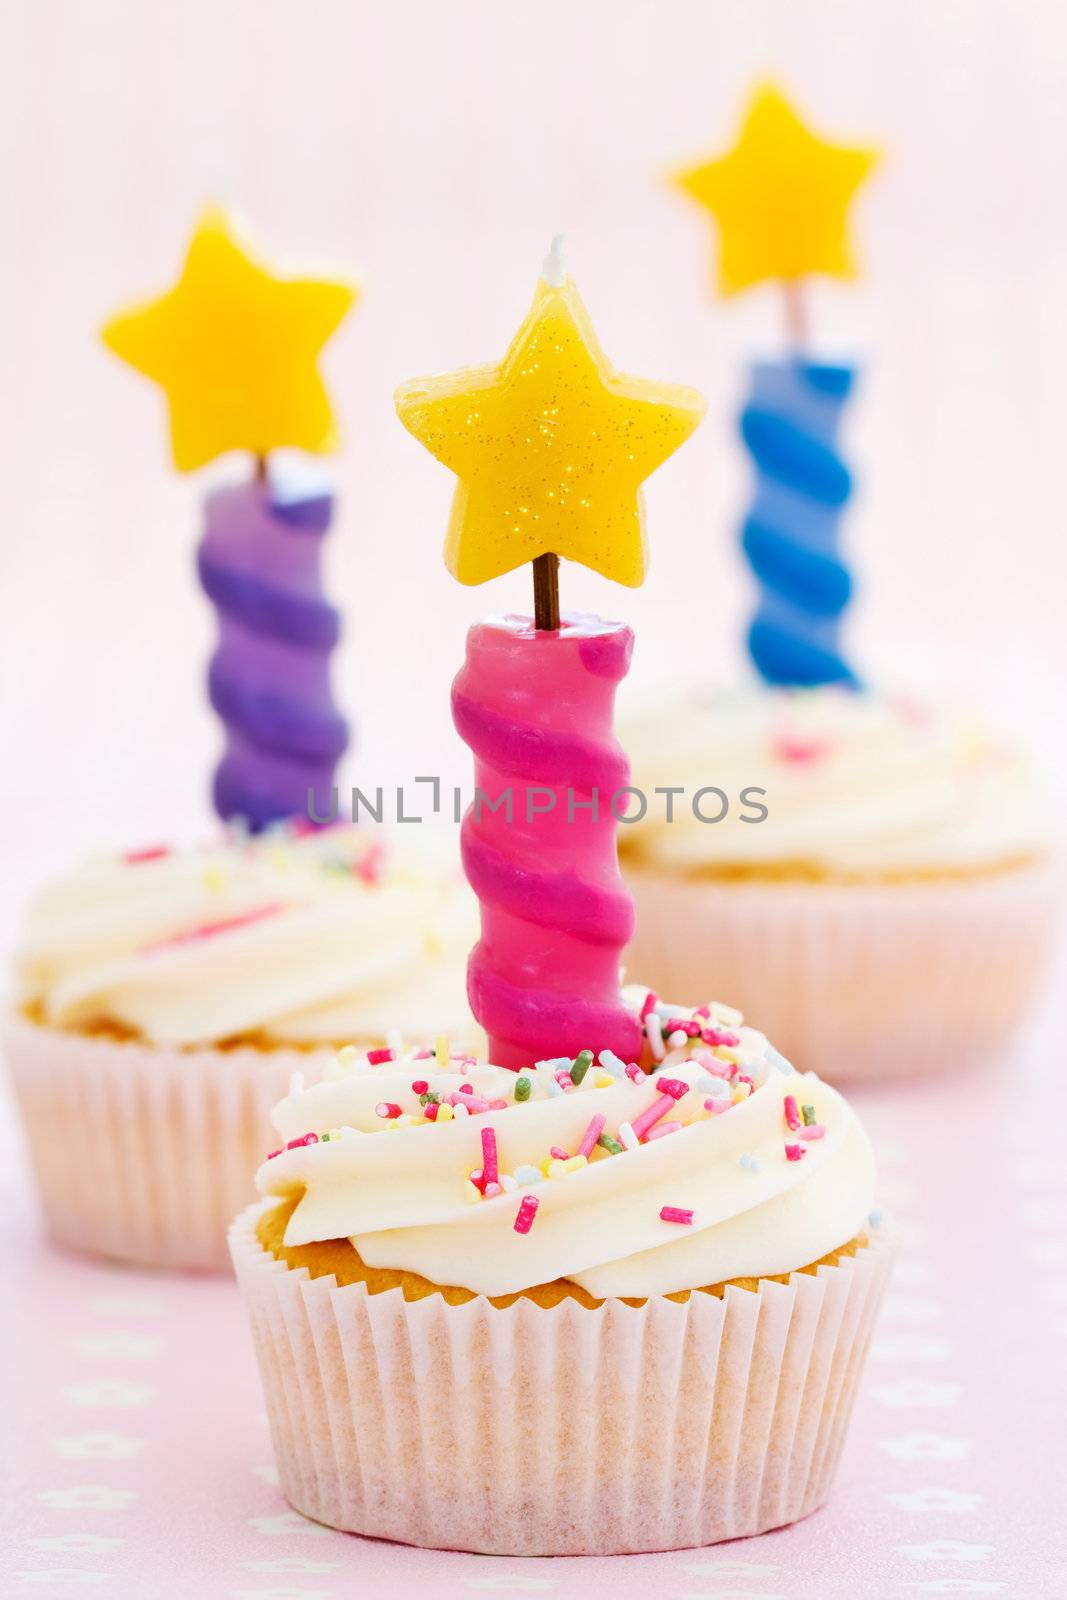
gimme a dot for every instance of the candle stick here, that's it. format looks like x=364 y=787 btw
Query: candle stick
x=235 y=348
x=780 y=199
x=550 y=448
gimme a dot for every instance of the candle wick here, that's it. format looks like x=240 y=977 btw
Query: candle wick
x=260 y=467
x=796 y=313
x=546 y=592
x=553 y=270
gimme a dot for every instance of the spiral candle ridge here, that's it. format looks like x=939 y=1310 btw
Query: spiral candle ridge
x=791 y=533
x=269 y=679
x=543 y=980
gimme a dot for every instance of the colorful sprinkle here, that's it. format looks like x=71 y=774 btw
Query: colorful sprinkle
x=792 y=1115
x=582 y=1062
x=676 y=1214
x=558 y=1154
x=522 y=1089
x=808 y=1113
x=628 y=1137
x=489 y=1164
x=662 y=1129
x=592 y=1134
x=440 y=1050
x=812 y=1130
x=527 y=1174
x=675 y=1087
x=749 y=1163
x=298 y=1144
x=612 y=1146
x=420 y=1086
x=652 y=1115
x=527 y=1211
x=793 y=1152
x=387 y=1108
x=376 y=1057
x=152 y=852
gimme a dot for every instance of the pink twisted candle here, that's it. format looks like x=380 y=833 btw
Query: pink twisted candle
x=539 y=850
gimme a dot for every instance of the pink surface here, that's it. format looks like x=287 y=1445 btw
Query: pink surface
x=143 y=1462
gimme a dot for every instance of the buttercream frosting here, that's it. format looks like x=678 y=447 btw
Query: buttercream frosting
x=853 y=783
x=768 y=1169
x=321 y=937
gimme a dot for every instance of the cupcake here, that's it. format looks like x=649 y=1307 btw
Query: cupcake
x=453 y=1264
x=873 y=877
x=166 y=997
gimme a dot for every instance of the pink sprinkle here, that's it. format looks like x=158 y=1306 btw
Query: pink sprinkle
x=815 y=1130
x=420 y=1086
x=557 y=1153
x=423 y=1055
x=682 y=1025
x=792 y=1115
x=466 y=1088
x=651 y=1002
x=702 y=1011
x=152 y=852
x=592 y=1134
x=676 y=1214
x=716 y=1036
x=675 y=1087
x=527 y=1211
x=799 y=752
x=661 y=1129
x=793 y=1152
x=430 y=1111
x=208 y=930
x=298 y=1144
x=473 y=1102
x=564 y=1080
x=386 y=1108
x=376 y=1057
x=633 y=1072
x=370 y=868
x=498 y=1105
x=489 y=1166
x=743 y=1077
x=652 y=1114
x=491 y=1191
x=272 y=1153
x=716 y=1105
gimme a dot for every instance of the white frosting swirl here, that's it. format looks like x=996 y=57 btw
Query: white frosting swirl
x=321 y=938
x=856 y=783
x=399 y=1190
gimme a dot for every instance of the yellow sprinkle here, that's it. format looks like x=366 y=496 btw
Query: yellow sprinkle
x=555 y=1169
x=741 y=1091
x=347 y=1056
x=335 y=1133
x=572 y=1163
x=603 y=1080
x=445 y=1113
x=724 y=1053
x=440 y=1050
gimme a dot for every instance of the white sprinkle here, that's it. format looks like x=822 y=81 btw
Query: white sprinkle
x=527 y=1175
x=716 y=1087
x=611 y=1063
x=654 y=1031
x=296 y=1083
x=749 y=1163
x=728 y=1015
x=627 y=1137
x=507 y=1183
x=554 y=1089
x=460 y=1110
x=678 y=1038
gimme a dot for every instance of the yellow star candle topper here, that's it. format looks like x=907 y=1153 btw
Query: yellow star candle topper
x=235 y=347
x=550 y=447
x=780 y=198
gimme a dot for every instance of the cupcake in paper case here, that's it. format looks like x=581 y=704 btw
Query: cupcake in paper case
x=591 y=1307
x=880 y=892
x=167 y=997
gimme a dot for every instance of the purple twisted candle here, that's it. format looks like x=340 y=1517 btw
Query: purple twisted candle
x=537 y=710
x=260 y=563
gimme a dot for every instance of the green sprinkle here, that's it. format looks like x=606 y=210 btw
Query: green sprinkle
x=522 y=1088
x=429 y=1098
x=808 y=1113
x=324 y=1139
x=581 y=1064
x=612 y=1146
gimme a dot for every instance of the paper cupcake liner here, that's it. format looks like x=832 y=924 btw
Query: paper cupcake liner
x=141 y=1153
x=865 y=981
x=568 y=1431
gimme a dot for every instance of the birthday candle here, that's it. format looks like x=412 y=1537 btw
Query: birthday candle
x=780 y=200
x=235 y=349
x=550 y=449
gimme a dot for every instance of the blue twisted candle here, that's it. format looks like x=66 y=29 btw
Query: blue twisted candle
x=260 y=563
x=791 y=534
